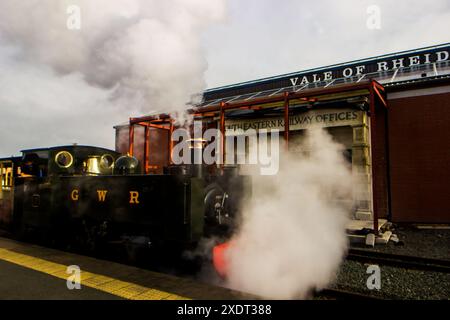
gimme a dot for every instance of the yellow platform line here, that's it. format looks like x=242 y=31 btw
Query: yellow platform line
x=110 y=285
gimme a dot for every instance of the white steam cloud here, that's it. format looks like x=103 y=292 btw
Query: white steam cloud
x=147 y=53
x=292 y=238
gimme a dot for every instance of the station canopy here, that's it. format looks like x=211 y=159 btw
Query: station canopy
x=425 y=72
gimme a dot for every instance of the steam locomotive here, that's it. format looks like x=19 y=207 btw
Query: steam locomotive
x=92 y=198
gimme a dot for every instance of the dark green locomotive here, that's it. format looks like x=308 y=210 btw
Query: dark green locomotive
x=90 y=197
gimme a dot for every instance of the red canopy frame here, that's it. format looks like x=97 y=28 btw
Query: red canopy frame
x=377 y=108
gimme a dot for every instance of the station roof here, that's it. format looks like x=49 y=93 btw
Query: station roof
x=393 y=71
x=390 y=70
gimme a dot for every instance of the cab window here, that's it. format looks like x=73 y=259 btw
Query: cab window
x=6 y=175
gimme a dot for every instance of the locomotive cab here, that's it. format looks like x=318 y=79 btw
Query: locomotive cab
x=30 y=197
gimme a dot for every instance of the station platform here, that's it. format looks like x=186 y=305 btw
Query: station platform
x=32 y=272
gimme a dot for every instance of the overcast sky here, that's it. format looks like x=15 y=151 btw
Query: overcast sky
x=258 y=38
x=266 y=37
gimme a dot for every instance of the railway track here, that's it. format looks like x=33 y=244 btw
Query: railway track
x=402 y=261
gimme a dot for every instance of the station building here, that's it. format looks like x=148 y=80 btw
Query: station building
x=390 y=112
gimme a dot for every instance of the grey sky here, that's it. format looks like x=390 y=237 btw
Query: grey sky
x=259 y=38
x=265 y=37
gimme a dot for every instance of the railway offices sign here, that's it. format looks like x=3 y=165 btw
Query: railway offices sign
x=312 y=118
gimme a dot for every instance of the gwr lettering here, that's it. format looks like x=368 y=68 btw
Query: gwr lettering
x=102 y=196
x=134 y=197
x=74 y=195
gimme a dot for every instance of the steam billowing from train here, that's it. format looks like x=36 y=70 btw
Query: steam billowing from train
x=147 y=55
x=292 y=238
x=146 y=52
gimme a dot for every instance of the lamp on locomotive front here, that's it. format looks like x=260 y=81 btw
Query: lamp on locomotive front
x=126 y=165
